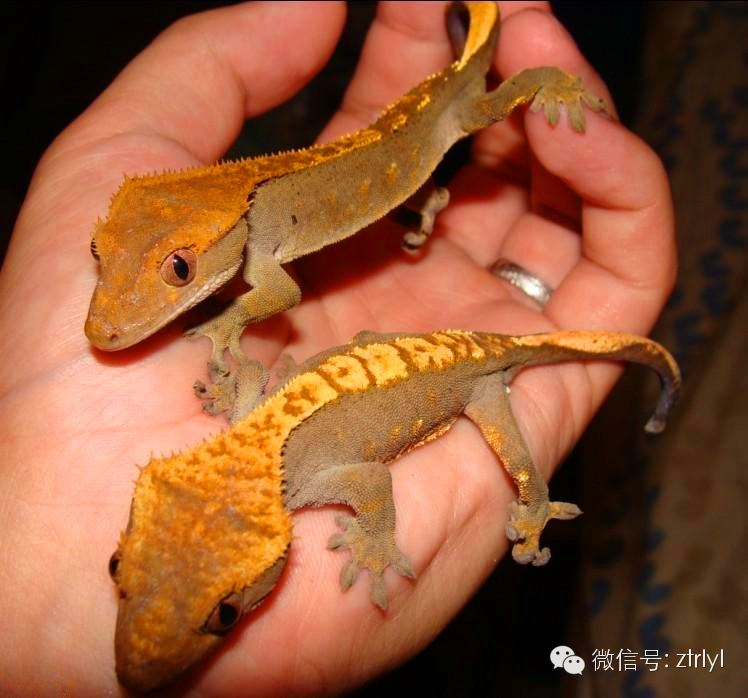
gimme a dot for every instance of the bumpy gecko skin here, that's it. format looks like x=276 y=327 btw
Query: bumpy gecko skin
x=171 y=240
x=209 y=528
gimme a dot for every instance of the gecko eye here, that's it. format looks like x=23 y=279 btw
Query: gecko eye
x=179 y=268
x=225 y=615
x=94 y=251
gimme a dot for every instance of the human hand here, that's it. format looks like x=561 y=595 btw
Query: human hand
x=76 y=421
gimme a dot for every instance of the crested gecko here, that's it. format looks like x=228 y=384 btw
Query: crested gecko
x=171 y=240
x=209 y=528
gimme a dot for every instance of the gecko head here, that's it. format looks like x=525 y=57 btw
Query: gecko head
x=192 y=563
x=168 y=242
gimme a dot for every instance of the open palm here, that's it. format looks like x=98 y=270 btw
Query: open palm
x=589 y=214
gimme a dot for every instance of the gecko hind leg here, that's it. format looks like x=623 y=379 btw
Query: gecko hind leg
x=285 y=368
x=370 y=535
x=236 y=393
x=490 y=410
x=526 y=523
x=545 y=88
x=419 y=212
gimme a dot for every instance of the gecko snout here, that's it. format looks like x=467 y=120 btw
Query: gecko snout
x=102 y=335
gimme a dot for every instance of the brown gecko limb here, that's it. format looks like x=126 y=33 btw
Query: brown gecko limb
x=370 y=536
x=490 y=410
x=365 y=337
x=285 y=367
x=426 y=203
x=273 y=291
x=236 y=393
x=545 y=87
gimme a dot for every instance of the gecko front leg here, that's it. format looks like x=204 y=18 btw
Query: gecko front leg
x=370 y=535
x=272 y=291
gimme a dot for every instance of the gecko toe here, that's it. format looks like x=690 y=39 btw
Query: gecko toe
x=369 y=550
x=511 y=531
x=526 y=523
x=212 y=409
x=234 y=392
x=377 y=592
x=285 y=368
x=542 y=557
x=349 y=574
x=403 y=567
x=337 y=540
x=563 y=511
x=567 y=90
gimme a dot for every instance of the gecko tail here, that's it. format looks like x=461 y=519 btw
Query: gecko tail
x=472 y=28
x=618 y=346
x=668 y=396
x=458 y=24
x=656 y=424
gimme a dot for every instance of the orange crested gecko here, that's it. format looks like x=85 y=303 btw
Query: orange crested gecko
x=171 y=240
x=209 y=528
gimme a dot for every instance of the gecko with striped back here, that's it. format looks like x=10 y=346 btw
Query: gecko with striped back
x=171 y=240
x=209 y=528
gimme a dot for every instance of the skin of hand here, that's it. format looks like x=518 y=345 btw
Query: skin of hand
x=590 y=214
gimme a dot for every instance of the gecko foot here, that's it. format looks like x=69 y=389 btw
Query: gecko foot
x=285 y=368
x=427 y=205
x=234 y=392
x=561 y=88
x=526 y=523
x=364 y=337
x=369 y=550
x=220 y=332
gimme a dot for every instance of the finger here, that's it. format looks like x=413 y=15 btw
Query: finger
x=535 y=38
x=510 y=8
x=628 y=252
x=406 y=43
x=545 y=248
x=542 y=239
x=531 y=38
x=628 y=262
x=493 y=227
x=183 y=100
x=196 y=83
x=483 y=208
x=545 y=41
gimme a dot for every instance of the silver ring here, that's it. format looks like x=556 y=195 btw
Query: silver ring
x=520 y=278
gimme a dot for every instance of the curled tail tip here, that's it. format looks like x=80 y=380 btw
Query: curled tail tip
x=656 y=424
x=658 y=421
x=668 y=398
